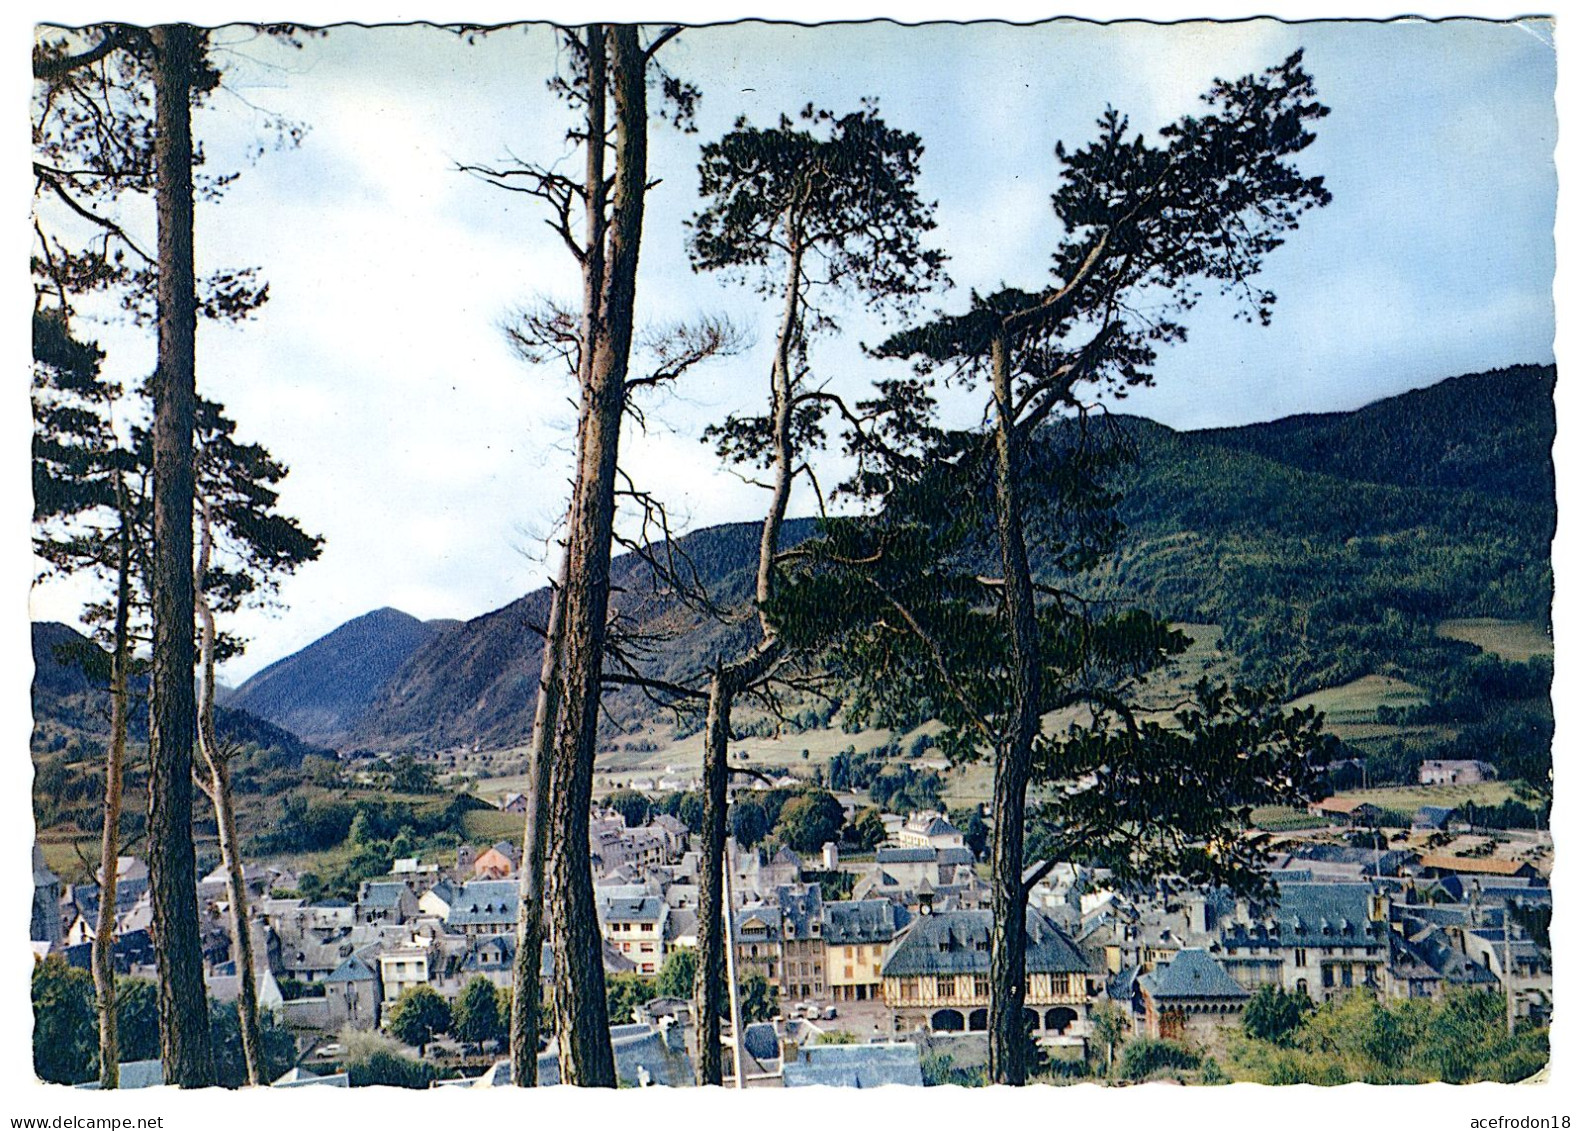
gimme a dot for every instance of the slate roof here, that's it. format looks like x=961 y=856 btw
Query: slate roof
x=801 y=911
x=760 y=1041
x=957 y=856
x=501 y=951
x=856 y=1066
x=485 y=903
x=769 y=915
x=907 y=855
x=383 y=895
x=353 y=969
x=862 y=922
x=634 y=1046
x=1192 y=975
x=1314 y=915
x=958 y=942
x=628 y=909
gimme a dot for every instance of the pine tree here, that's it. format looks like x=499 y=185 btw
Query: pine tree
x=992 y=649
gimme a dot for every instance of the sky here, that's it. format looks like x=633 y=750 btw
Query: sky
x=434 y=463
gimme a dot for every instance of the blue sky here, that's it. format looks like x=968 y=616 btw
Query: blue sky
x=434 y=463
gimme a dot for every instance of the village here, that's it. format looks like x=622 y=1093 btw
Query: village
x=861 y=968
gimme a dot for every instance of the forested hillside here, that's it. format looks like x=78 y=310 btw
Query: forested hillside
x=1326 y=547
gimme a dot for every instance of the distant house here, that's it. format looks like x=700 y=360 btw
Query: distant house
x=929 y=830
x=1319 y=939
x=1478 y=866
x=757 y=935
x=413 y=963
x=1347 y=810
x=635 y=926
x=514 y=803
x=351 y=992
x=1431 y=817
x=436 y=900
x=801 y=942
x=46 y=926
x=386 y=901
x=484 y=907
x=493 y=864
x=131 y=881
x=936 y=975
x=1188 y=994
x=1453 y=771
x=856 y=933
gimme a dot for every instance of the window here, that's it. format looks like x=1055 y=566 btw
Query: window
x=1301 y=957
x=980 y=987
x=944 y=985
x=848 y=973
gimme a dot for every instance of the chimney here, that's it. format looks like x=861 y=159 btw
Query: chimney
x=831 y=856
x=1197 y=915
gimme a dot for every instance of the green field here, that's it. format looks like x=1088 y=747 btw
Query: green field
x=1279 y=819
x=1356 y=703
x=484 y=827
x=1408 y=799
x=1506 y=639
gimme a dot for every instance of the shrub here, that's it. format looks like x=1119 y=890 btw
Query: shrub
x=1145 y=1056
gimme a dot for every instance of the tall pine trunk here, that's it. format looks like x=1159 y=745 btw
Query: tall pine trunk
x=582 y=1021
x=114 y=772
x=526 y=1019
x=711 y=910
x=218 y=790
x=1007 y=1051
x=183 y=1006
x=732 y=678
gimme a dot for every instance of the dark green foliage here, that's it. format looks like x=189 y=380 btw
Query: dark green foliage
x=66 y=1033
x=1173 y=800
x=1273 y=1015
x=838 y=884
x=939 y=1069
x=749 y=823
x=903 y=789
x=390 y=1069
x=868 y=829
x=65 y=1026
x=137 y=1018
x=846 y=183
x=278 y=1048
x=624 y=992
x=809 y=820
x=417 y=1015
x=1459 y=1039
x=685 y=806
x=1508 y=814
x=973 y=827
x=633 y=806
x=760 y=1001
x=476 y=1016
x=1144 y=1056
x=408 y=775
x=678 y=976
